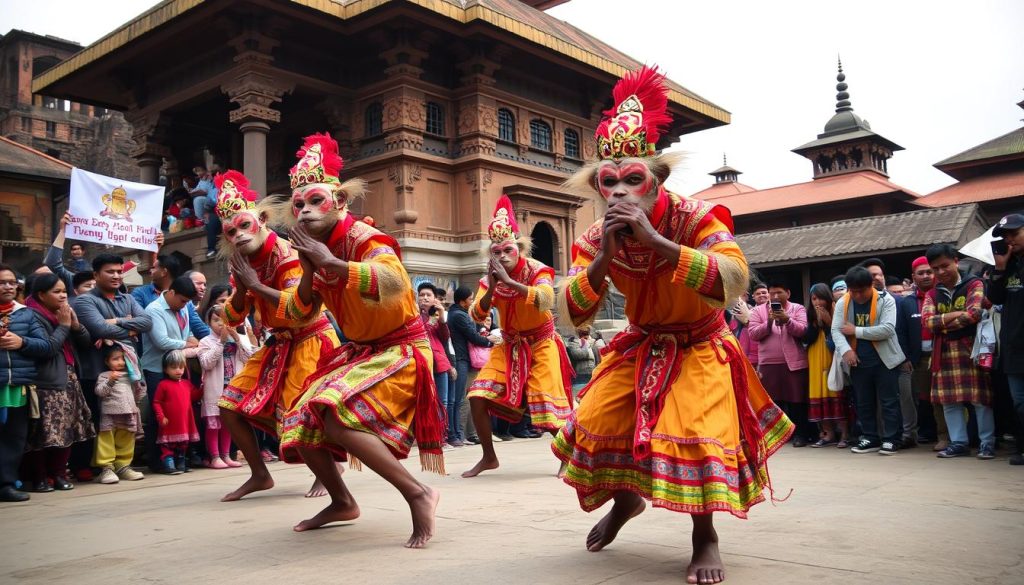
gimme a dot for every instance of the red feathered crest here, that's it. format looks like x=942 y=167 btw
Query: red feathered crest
x=640 y=115
x=319 y=162
x=233 y=194
x=503 y=226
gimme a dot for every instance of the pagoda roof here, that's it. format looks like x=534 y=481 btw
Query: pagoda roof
x=1007 y=146
x=723 y=189
x=825 y=140
x=856 y=237
x=978 y=189
x=512 y=16
x=27 y=162
x=821 y=191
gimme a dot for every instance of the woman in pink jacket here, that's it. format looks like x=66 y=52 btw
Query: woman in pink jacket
x=777 y=327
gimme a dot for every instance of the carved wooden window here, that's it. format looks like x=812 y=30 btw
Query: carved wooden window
x=506 y=125
x=435 y=119
x=373 y=120
x=51 y=129
x=572 y=143
x=26 y=124
x=540 y=135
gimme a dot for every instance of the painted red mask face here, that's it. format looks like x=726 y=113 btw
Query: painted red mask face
x=507 y=253
x=314 y=206
x=626 y=182
x=245 y=232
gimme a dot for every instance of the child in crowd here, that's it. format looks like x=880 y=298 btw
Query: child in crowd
x=119 y=418
x=222 y=353
x=172 y=407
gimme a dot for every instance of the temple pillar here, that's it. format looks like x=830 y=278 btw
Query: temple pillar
x=149 y=168
x=255 y=89
x=254 y=154
x=149 y=130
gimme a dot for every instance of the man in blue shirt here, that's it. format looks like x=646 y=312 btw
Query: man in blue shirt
x=173 y=328
x=165 y=270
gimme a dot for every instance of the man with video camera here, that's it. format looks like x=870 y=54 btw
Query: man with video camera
x=1006 y=288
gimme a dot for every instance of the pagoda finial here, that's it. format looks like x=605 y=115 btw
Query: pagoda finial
x=724 y=163
x=842 y=97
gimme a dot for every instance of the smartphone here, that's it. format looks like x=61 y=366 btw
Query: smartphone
x=1000 y=247
x=776 y=306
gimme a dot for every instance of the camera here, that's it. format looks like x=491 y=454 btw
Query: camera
x=1000 y=247
x=776 y=306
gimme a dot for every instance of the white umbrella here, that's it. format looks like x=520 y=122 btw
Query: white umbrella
x=981 y=247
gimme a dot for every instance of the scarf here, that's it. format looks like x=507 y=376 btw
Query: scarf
x=848 y=315
x=5 y=315
x=35 y=305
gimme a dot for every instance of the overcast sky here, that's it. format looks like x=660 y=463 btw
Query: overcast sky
x=934 y=76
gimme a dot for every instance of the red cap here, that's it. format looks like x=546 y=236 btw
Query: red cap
x=918 y=262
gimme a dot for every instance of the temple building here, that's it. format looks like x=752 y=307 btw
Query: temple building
x=30 y=181
x=88 y=137
x=990 y=174
x=441 y=105
x=850 y=210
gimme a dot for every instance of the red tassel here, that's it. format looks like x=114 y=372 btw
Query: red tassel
x=429 y=425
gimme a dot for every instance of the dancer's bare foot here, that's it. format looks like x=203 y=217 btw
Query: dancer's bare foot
x=561 y=470
x=483 y=465
x=706 y=563
x=334 y=512
x=253 y=484
x=316 y=490
x=627 y=505
x=423 y=507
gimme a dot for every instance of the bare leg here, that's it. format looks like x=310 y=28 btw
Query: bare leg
x=627 y=505
x=317 y=489
x=373 y=453
x=706 y=564
x=828 y=429
x=343 y=506
x=243 y=435
x=483 y=430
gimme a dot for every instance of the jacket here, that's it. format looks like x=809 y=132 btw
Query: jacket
x=437 y=333
x=464 y=333
x=93 y=309
x=52 y=369
x=582 y=358
x=211 y=358
x=882 y=333
x=165 y=335
x=18 y=367
x=908 y=328
x=1006 y=288
x=760 y=328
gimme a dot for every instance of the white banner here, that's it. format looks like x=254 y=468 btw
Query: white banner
x=110 y=211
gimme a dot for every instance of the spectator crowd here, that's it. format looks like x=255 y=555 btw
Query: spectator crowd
x=99 y=382
x=877 y=364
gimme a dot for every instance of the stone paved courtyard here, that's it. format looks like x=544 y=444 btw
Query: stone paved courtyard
x=908 y=519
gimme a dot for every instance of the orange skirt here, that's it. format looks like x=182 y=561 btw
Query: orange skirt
x=697 y=465
x=545 y=392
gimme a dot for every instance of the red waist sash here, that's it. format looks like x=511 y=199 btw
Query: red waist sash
x=519 y=357
x=659 y=353
x=430 y=420
x=275 y=362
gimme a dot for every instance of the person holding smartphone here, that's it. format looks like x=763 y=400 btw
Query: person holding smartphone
x=777 y=327
x=1006 y=288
